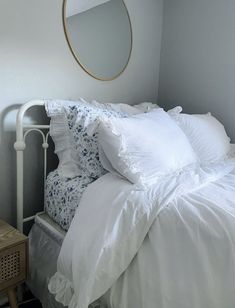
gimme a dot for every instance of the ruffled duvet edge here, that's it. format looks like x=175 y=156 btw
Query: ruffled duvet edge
x=63 y=290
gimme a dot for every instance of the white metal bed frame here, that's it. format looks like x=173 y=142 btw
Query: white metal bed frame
x=22 y=131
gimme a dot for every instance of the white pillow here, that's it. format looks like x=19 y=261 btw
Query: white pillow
x=206 y=135
x=146 y=106
x=144 y=147
x=129 y=109
x=175 y=111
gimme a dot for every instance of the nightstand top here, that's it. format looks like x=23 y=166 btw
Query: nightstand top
x=9 y=236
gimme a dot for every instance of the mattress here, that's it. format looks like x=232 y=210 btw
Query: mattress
x=62 y=197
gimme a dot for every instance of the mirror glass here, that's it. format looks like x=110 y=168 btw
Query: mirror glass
x=99 y=35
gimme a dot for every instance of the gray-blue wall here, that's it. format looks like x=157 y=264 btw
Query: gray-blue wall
x=198 y=58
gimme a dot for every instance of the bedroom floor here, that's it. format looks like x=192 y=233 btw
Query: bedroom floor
x=29 y=301
x=31 y=304
x=34 y=304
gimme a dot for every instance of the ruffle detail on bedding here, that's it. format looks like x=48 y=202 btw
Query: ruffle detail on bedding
x=55 y=107
x=175 y=111
x=130 y=166
x=65 y=148
x=63 y=290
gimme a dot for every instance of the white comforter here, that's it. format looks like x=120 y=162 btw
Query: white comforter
x=171 y=246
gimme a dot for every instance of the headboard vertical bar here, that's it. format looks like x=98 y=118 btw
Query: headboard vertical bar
x=45 y=164
x=20 y=189
x=21 y=133
x=45 y=173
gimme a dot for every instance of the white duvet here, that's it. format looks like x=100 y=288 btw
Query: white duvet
x=171 y=246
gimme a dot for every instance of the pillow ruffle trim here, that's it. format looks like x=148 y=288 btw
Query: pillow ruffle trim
x=63 y=290
x=130 y=166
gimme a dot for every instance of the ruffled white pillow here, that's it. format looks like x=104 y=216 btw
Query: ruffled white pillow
x=129 y=109
x=206 y=135
x=144 y=147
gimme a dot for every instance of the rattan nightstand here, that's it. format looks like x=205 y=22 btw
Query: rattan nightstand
x=13 y=260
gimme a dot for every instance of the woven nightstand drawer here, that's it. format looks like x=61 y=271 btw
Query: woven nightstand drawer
x=13 y=265
x=13 y=256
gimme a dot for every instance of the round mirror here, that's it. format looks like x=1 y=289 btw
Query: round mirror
x=99 y=35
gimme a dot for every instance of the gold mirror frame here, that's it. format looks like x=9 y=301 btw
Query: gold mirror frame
x=76 y=56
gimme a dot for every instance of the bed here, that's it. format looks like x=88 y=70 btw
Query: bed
x=50 y=225
x=132 y=243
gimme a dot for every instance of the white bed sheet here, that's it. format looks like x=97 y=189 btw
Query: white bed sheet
x=168 y=247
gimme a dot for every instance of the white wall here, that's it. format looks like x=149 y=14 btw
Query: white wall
x=198 y=58
x=35 y=62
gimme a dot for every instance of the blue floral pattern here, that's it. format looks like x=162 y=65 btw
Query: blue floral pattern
x=80 y=118
x=62 y=197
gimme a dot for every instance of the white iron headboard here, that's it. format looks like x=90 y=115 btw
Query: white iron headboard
x=22 y=131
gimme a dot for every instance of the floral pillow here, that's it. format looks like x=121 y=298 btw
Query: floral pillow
x=81 y=118
x=70 y=127
x=62 y=197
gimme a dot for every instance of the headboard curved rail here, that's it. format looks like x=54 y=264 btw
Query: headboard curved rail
x=22 y=131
